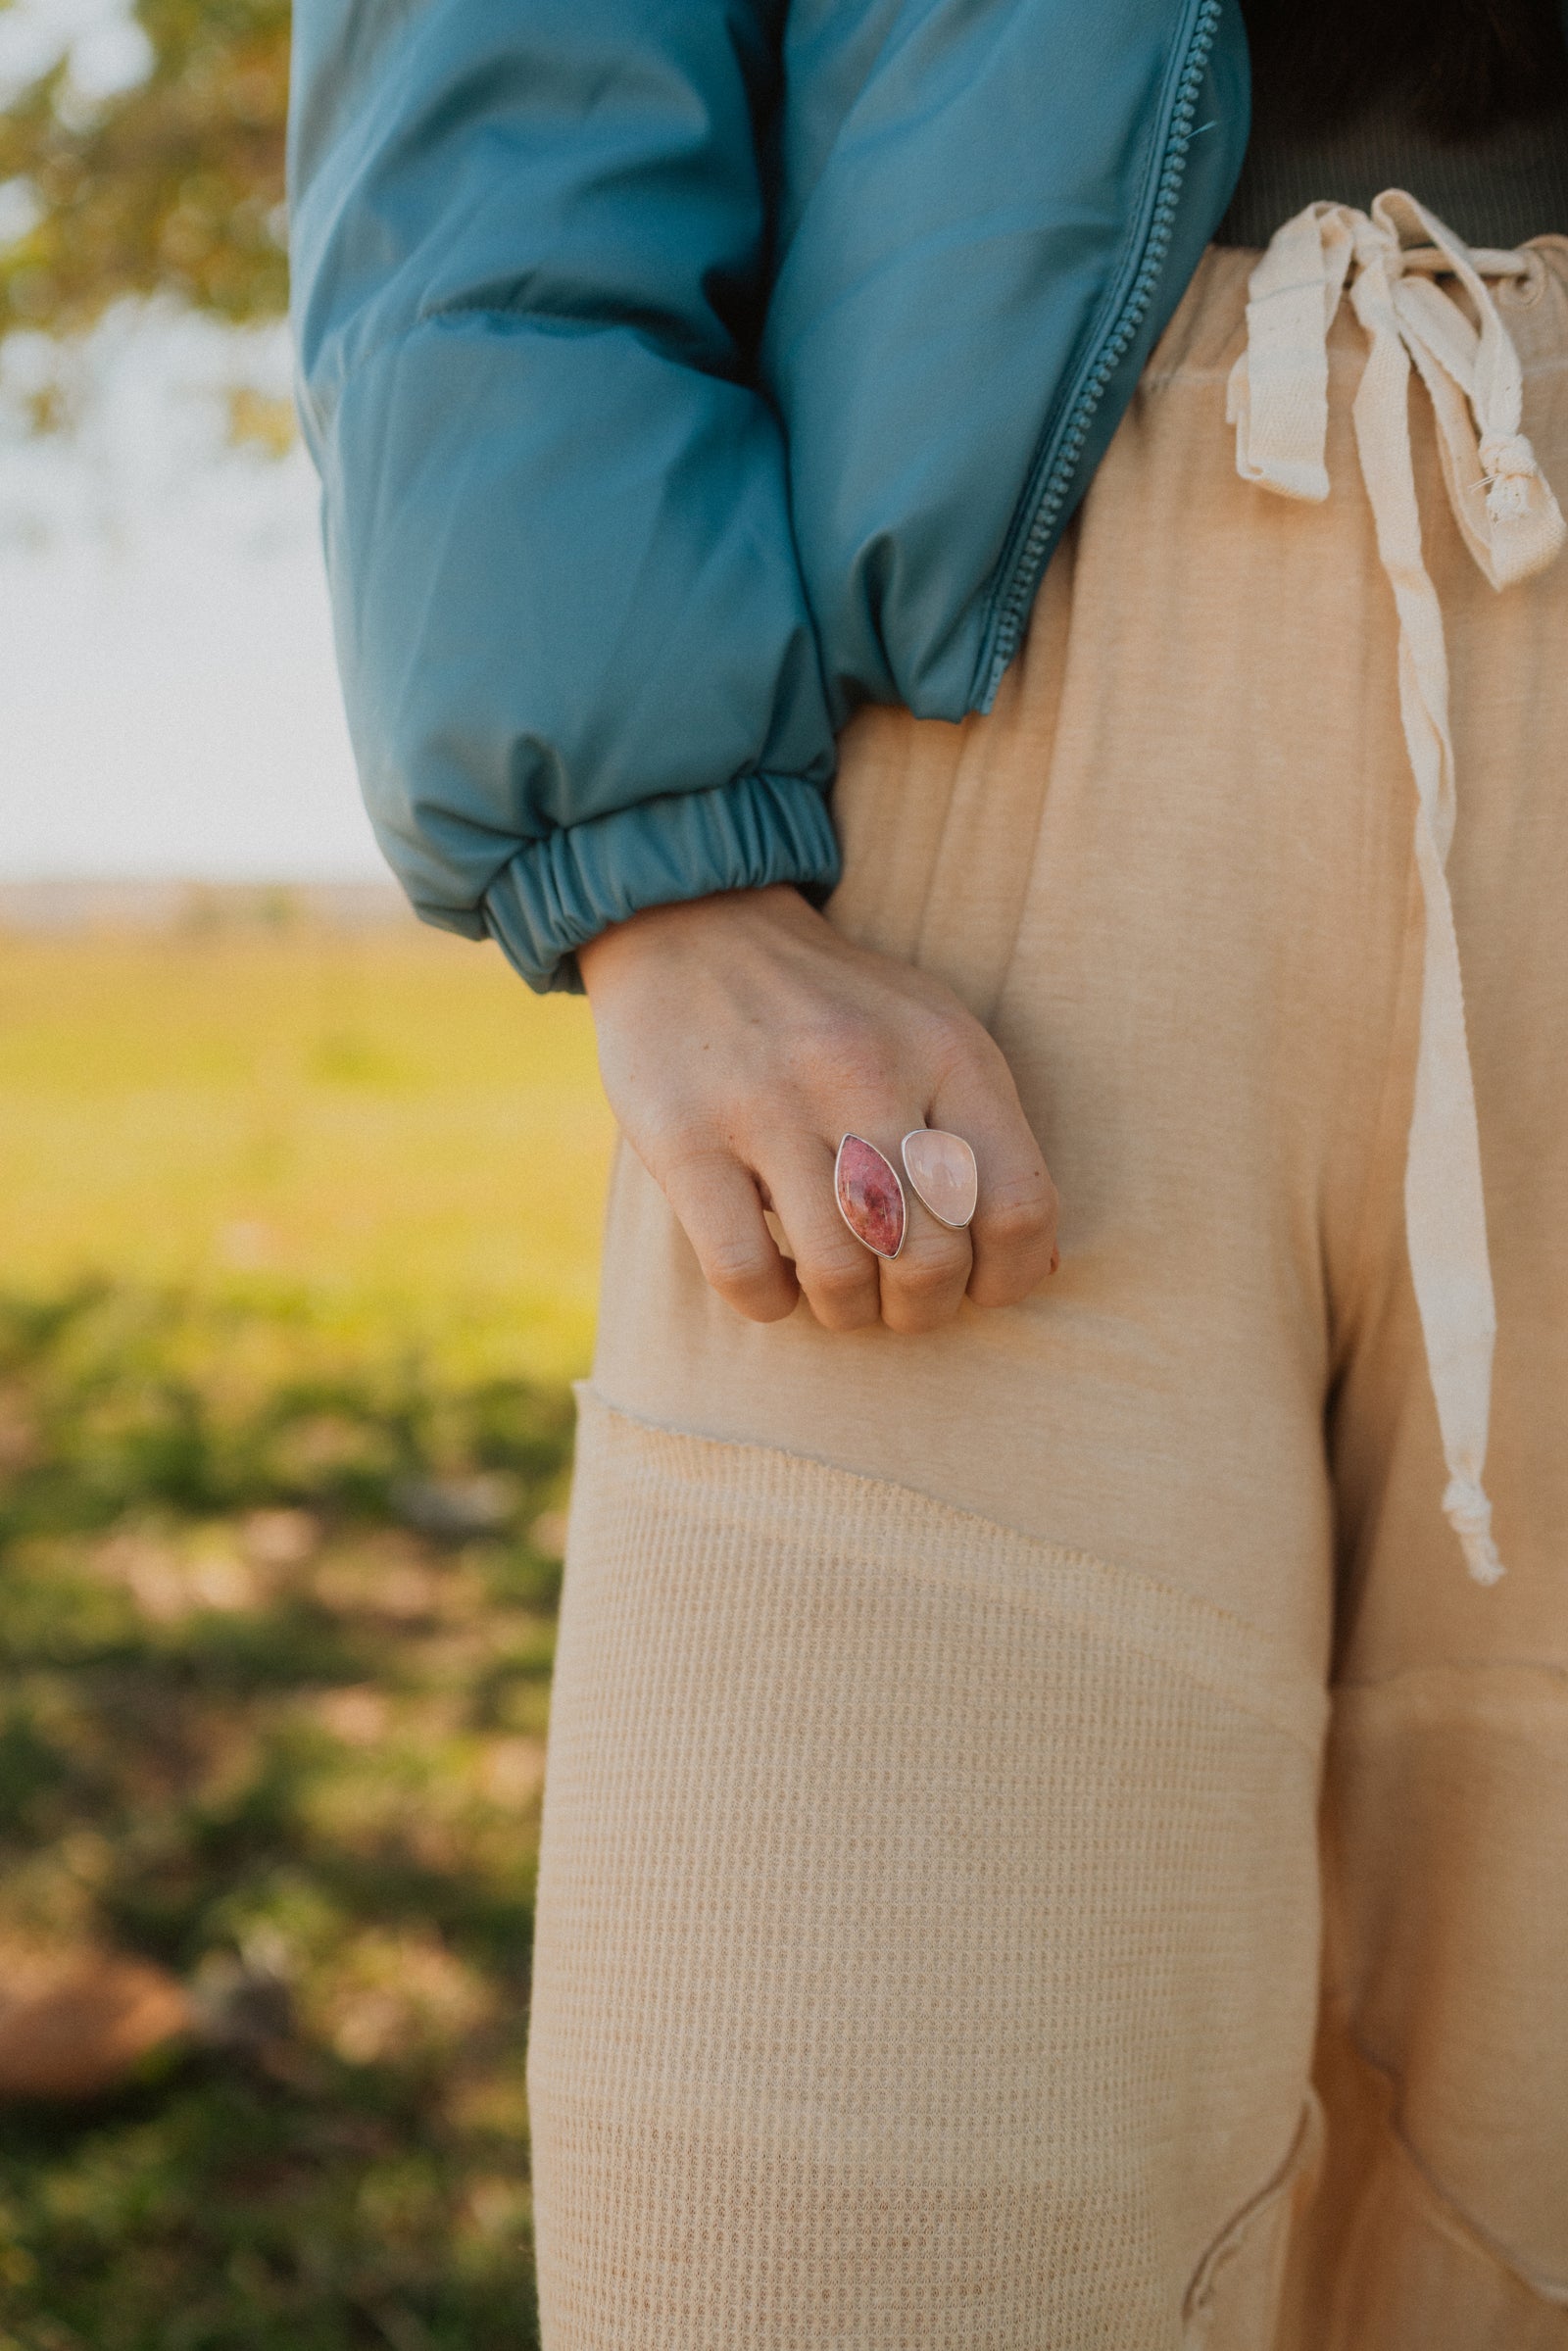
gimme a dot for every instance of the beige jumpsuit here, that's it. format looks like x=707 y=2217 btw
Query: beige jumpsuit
x=1046 y=1845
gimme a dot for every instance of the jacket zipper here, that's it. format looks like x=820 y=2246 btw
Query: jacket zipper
x=1057 y=463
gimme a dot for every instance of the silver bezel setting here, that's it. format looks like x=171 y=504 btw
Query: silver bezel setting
x=887 y=1254
x=953 y=1225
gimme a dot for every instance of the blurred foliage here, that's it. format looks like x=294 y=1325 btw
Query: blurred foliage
x=258 y=421
x=173 y=186
x=276 y=1639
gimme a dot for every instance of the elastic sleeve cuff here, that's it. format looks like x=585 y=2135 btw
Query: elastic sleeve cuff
x=560 y=892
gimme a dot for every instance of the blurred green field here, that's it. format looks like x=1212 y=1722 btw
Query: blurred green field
x=389 y=1123
x=297 y=1246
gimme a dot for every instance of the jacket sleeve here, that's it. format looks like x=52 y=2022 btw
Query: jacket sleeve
x=530 y=245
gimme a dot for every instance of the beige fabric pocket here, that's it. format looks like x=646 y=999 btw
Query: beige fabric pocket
x=1444 y=2213
x=1448 y=1866
x=1386 y=2261
x=927 y=1921
x=1233 y=2303
x=1416 y=2277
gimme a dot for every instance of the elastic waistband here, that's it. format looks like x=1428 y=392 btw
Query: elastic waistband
x=1209 y=330
x=1427 y=310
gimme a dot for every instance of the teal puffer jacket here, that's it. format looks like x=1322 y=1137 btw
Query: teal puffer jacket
x=683 y=373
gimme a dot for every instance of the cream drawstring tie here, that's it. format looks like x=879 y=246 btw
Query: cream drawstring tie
x=1278 y=403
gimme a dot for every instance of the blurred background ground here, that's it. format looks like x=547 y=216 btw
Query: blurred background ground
x=299 y=1210
x=299 y=1213
x=282 y=1092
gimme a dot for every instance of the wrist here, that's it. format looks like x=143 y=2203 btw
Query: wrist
x=657 y=930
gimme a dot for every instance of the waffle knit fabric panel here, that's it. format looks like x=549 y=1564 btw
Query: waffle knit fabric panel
x=1044 y=1847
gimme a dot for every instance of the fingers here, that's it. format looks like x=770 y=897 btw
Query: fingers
x=838 y=1274
x=718 y=1207
x=720 y=1178
x=923 y=1286
x=846 y=1285
x=1013 y=1233
x=1005 y=1254
x=739 y=1035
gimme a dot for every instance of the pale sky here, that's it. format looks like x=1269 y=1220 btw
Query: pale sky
x=167 y=704
x=170 y=702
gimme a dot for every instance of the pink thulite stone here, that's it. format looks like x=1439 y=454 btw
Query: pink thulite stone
x=942 y=1169
x=870 y=1197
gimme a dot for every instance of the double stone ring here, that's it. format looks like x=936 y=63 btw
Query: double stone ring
x=941 y=1168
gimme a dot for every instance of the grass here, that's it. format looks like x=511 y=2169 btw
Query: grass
x=390 y=1124
x=297 y=1242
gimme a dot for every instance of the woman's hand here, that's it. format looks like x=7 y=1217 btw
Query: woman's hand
x=740 y=1037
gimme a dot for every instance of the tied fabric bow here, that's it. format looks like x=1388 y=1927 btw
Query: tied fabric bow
x=1512 y=525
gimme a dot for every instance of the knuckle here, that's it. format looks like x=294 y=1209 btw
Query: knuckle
x=841 y=1285
x=921 y=1306
x=1021 y=1209
x=754 y=1106
x=928 y=1276
x=1015 y=1229
x=839 y=1281
x=679 y=1149
x=736 y=1266
x=951 y=1037
x=843 y=1309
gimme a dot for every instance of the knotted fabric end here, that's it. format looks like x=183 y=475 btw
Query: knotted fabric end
x=1469 y=1513
x=1513 y=527
x=1510 y=467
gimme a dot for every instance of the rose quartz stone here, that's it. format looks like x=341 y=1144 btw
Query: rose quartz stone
x=870 y=1195
x=942 y=1169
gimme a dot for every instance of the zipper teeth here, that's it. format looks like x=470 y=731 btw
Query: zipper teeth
x=1163 y=221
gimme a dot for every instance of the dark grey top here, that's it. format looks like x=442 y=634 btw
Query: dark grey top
x=1498 y=189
